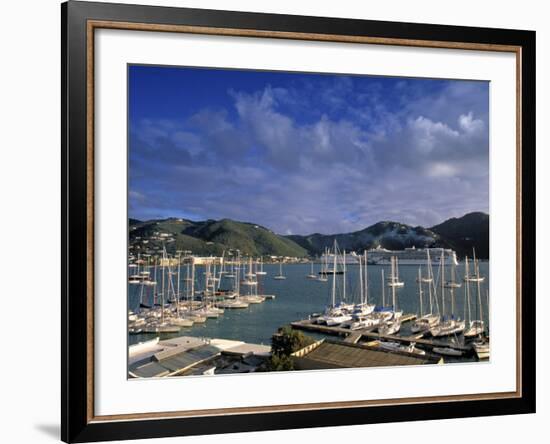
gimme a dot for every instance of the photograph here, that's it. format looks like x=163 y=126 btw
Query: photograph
x=280 y=221
x=299 y=221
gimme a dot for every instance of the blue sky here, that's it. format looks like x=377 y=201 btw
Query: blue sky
x=302 y=153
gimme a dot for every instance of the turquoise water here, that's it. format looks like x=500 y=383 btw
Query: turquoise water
x=298 y=297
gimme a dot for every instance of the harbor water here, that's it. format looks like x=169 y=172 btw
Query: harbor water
x=298 y=297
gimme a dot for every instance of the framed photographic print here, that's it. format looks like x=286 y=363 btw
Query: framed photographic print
x=276 y=221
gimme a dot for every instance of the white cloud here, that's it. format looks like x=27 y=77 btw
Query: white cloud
x=441 y=169
x=330 y=172
x=469 y=124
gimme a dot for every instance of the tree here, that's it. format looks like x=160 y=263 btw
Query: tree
x=283 y=343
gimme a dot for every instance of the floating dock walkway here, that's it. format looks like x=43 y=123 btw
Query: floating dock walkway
x=354 y=336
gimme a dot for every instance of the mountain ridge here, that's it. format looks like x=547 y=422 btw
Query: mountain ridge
x=214 y=236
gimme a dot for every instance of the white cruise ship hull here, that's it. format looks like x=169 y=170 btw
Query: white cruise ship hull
x=408 y=256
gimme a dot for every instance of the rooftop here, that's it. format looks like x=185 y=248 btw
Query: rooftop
x=338 y=354
x=187 y=354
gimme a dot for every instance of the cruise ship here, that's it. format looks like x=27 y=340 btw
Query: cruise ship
x=408 y=256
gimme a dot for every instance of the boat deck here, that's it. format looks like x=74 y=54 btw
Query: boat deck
x=354 y=336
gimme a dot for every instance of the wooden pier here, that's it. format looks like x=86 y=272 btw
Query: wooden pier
x=354 y=336
x=307 y=324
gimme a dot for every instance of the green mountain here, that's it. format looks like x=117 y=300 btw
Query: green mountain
x=213 y=237
x=465 y=233
x=390 y=235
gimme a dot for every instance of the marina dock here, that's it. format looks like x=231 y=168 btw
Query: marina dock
x=168 y=299
x=354 y=336
x=308 y=325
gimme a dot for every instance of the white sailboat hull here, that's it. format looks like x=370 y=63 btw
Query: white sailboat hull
x=447 y=351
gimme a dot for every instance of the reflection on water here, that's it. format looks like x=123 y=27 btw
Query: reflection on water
x=298 y=297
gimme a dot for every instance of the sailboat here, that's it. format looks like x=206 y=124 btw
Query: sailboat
x=381 y=313
x=311 y=274
x=481 y=349
x=280 y=276
x=230 y=274
x=162 y=320
x=394 y=278
x=336 y=313
x=324 y=266
x=449 y=326
x=453 y=283
x=177 y=320
x=324 y=271
x=362 y=310
x=476 y=277
x=250 y=276
x=422 y=324
x=390 y=328
x=447 y=351
x=134 y=280
x=397 y=347
x=394 y=325
x=250 y=273
x=476 y=326
x=237 y=301
x=261 y=271
x=253 y=297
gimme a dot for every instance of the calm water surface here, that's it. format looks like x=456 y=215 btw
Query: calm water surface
x=298 y=297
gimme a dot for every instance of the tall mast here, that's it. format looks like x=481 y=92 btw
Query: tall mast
x=467 y=271
x=187 y=281
x=361 y=292
x=334 y=278
x=465 y=297
x=442 y=283
x=237 y=278
x=154 y=280
x=430 y=283
x=366 y=279
x=178 y=287
x=452 y=288
x=479 y=292
x=453 y=271
x=396 y=270
x=141 y=291
x=192 y=282
x=383 y=290
x=162 y=294
x=394 y=263
x=344 y=276
x=420 y=289
x=222 y=272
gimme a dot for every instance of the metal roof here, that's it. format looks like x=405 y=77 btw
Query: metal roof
x=332 y=354
x=174 y=363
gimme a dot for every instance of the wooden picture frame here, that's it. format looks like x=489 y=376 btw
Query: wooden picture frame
x=79 y=22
